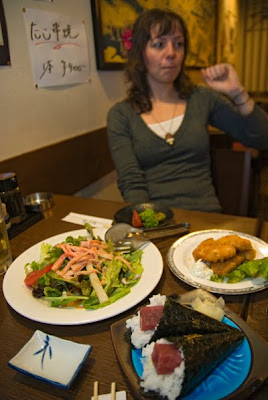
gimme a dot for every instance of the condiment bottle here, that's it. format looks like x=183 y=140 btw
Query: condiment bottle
x=10 y=195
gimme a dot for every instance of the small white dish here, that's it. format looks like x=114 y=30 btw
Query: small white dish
x=51 y=359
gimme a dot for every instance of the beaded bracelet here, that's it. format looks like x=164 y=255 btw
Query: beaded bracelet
x=244 y=102
x=238 y=94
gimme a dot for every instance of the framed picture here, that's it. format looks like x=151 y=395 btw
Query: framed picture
x=113 y=21
x=4 y=49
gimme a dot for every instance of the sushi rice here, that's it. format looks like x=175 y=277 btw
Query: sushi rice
x=168 y=385
x=140 y=338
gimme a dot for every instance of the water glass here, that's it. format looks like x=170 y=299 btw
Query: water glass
x=5 y=253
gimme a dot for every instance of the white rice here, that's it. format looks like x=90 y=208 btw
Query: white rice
x=140 y=338
x=168 y=385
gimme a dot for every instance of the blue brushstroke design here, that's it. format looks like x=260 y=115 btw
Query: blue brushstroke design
x=44 y=349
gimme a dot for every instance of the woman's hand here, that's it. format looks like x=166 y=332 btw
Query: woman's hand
x=224 y=79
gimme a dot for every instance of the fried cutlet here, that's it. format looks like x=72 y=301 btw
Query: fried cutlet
x=224 y=254
x=211 y=251
x=223 y=268
x=239 y=243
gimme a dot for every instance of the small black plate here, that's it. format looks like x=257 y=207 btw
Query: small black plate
x=125 y=214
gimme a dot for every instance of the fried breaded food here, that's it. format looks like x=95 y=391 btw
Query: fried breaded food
x=249 y=254
x=224 y=254
x=211 y=251
x=224 y=267
x=239 y=243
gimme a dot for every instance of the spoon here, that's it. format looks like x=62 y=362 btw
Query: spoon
x=118 y=234
x=125 y=234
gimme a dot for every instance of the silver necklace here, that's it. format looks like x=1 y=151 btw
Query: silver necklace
x=169 y=137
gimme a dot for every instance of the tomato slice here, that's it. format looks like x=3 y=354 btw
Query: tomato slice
x=136 y=220
x=33 y=276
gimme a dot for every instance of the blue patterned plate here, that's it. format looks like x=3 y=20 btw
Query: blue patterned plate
x=51 y=359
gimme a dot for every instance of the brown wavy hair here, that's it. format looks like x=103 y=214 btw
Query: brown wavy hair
x=139 y=92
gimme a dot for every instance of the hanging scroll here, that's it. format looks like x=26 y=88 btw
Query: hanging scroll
x=58 y=48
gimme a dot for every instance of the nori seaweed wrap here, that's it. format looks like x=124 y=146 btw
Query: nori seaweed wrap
x=180 y=320
x=202 y=354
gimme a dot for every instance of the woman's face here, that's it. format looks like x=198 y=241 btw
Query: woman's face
x=164 y=56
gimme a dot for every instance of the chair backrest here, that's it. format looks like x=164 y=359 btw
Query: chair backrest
x=231 y=173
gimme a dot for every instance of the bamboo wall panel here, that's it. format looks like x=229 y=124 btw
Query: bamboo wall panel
x=255 y=54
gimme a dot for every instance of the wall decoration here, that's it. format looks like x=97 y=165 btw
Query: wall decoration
x=58 y=48
x=228 y=27
x=254 y=52
x=4 y=49
x=113 y=21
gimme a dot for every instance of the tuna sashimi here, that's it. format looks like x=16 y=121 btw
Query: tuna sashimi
x=150 y=317
x=166 y=357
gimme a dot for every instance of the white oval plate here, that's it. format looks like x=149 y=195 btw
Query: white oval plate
x=180 y=261
x=20 y=298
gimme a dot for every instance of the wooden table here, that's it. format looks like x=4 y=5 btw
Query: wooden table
x=258 y=302
x=102 y=364
x=264 y=231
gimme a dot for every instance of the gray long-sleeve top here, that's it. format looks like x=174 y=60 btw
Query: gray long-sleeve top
x=149 y=169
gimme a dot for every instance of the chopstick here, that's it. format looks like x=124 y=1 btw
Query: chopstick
x=113 y=391
x=96 y=396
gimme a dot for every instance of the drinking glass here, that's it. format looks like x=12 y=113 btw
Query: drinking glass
x=5 y=253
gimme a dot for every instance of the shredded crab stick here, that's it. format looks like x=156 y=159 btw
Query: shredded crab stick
x=86 y=260
x=79 y=256
x=83 y=272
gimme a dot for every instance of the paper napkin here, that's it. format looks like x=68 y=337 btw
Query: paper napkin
x=81 y=219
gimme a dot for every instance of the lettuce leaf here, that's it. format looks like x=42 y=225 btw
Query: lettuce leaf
x=90 y=304
x=63 y=300
x=249 y=269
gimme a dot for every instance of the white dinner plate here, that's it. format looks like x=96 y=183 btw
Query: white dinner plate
x=20 y=298
x=180 y=261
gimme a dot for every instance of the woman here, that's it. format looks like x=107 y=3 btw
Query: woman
x=158 y=135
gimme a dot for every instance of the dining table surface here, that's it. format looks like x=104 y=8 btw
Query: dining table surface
x=102 y=364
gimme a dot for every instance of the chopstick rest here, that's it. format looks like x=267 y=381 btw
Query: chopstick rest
x=113 y=395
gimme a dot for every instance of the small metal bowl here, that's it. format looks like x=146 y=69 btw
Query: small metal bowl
x=39 y=201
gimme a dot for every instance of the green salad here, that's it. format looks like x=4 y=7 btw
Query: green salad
x=151 y=218
x=83 y=272
x=248 y=269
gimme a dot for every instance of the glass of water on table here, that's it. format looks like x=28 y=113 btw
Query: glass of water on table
x=5 y=253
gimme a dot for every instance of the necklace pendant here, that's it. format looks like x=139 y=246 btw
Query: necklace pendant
x=169 y=139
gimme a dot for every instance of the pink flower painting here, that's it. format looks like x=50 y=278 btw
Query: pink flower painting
x=127 y=39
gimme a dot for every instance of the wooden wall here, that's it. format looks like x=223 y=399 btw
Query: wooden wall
x=64 y=167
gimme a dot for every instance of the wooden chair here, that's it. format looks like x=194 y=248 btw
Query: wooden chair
x=233 y=180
